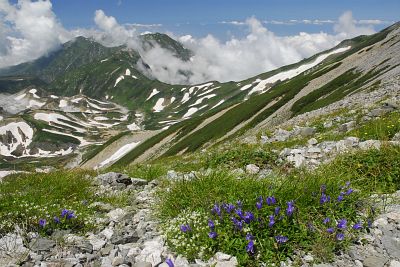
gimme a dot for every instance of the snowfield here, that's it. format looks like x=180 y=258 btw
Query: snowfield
x=190 y=112
x=63 y=103
x=198 y=101
x=133 y=127
x=118 y=154
x=219 y=103
x=34 y=103
x=55 y=118
x=159 y=105
x=290 y=73
x=21 y=132
x=120 y=78
x=185 y=98
x=153 y=93
x=33 y=92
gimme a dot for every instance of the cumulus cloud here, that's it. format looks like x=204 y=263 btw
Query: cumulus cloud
x=347 y=27
x=237 y=59
x=31 y=29
x=28 y=30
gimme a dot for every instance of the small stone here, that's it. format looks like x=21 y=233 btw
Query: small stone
x=264 y=139
x=394 y=263
x=312 y=142
x=106 y=250
x=345 y=127
x=42 y=244
x=84 y=246
x=106 y=261
x=374 y=261
x=139 y=182
x=117 y=261
x=396 y=137
x=369 y=144
x=306 y=131
x=378 y=112
x=308 y=258
x=328 y=124
x=124 y=239
x=107 y=233
x=358 y=263
x=116 y=215
x=219 y=256
x=252 y=169
x=381 y=222
x=142 y=264
x=96 y=242
x=172 y=175
x=394 y=216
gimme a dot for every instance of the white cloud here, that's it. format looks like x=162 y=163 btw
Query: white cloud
x=140 y=25
x=347 y=28
x=374 y=22
x=261 y=50
x=31 y=30
x=234 y=22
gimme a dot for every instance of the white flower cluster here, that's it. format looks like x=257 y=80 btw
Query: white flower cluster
x=192 y=243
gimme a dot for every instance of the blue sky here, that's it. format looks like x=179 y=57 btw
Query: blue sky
x=199 y=18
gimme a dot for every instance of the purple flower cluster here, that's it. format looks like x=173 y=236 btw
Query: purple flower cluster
x=185 y=228
x=68 y=214
x=281 y=239
x=290 y=208
x=239 y=217
x=42 y=223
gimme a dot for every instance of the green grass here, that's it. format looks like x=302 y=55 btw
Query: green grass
x=148 y=172
x=26 y=198
x=382 y=128
x=238 y=156
x=190 y=202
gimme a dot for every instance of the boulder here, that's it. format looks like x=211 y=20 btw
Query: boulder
x=252 y=169
x=369 y=144
x=114 y=178
x=42 y=244
x=305 y=131
x=348 y=126
x=312 y=142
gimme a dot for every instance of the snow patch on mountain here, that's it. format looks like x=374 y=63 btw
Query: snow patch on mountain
x=219 y=103
x=153 y=93
x=21 y=134
x=159 y=105
x=118 y=154
x=59 y=119
x=190 y=112
x=120 y=78
x=133 y=127
x=198 y=101
x=284 y=75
